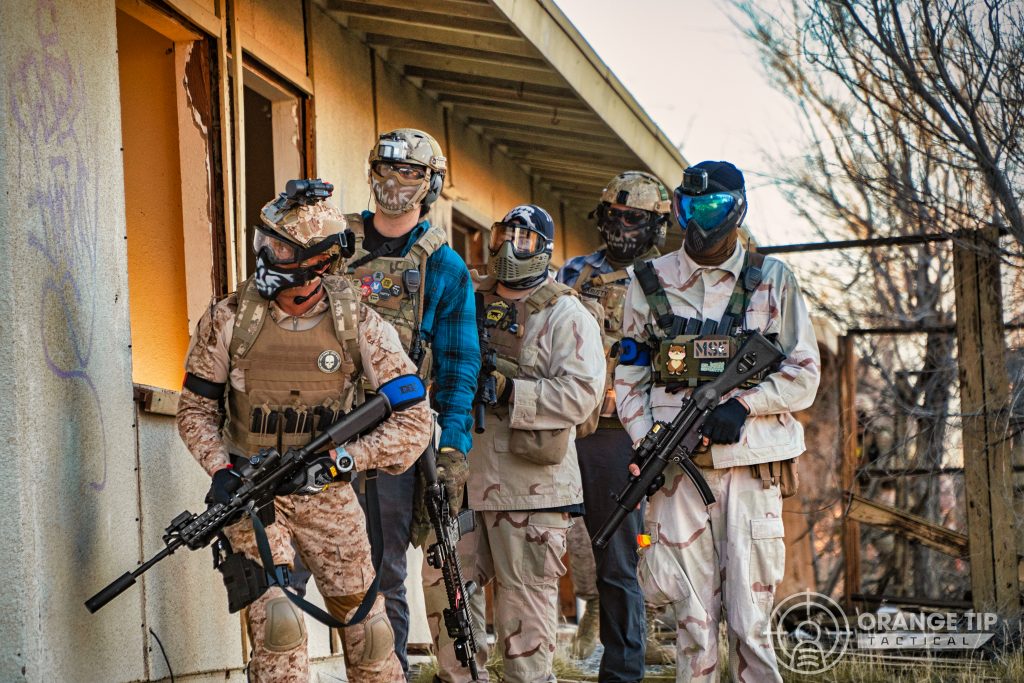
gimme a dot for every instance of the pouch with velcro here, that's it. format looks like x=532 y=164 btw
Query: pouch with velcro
x=539 y=446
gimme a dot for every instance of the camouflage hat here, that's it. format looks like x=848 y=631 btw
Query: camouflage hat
x=638 y=190
x=304 y=225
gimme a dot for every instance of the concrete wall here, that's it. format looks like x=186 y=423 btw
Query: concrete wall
x=70 y=501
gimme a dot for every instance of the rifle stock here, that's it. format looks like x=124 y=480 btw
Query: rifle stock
x=675 y=441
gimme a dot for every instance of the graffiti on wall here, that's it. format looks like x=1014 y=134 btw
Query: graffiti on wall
x=51 y=158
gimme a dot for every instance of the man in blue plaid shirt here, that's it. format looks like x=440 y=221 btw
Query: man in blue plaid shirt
x=408 y=273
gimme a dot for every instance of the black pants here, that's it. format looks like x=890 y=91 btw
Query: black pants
x=604 y=457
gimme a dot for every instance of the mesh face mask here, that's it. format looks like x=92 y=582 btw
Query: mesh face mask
x=520 y=251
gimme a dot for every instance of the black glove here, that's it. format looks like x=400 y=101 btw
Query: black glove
x=222 y=488
x=724 y=423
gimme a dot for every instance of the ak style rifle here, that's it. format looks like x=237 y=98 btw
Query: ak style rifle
x=675 y=441
x=268 y=472
x=444 y=555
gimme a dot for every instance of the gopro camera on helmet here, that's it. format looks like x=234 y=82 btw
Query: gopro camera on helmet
x=695 y=181
x=394 y=149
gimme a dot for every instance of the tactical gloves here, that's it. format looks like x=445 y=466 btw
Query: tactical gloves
x=725 y=422
x=222 y=488
x=453 y=470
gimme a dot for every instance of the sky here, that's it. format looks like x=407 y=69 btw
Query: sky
x=699 y=78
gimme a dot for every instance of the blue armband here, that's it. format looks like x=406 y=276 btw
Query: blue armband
x=632 y=352
x=403 y=391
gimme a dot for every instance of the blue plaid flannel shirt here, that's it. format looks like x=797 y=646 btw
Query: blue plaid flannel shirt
x=449 y=326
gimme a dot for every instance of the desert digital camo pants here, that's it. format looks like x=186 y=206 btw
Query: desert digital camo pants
x=522 y=552
x=700 y=558
x=330 y=533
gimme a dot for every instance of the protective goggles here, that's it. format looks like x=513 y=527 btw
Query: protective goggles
x=279 y=251
x=525 y=241
x=708 y=210
x=402 y=170
x=628 y=218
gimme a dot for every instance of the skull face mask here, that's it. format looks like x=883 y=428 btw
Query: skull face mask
x=394 y=193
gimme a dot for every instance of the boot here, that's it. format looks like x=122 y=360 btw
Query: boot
x=656 y=653
x=586 y=638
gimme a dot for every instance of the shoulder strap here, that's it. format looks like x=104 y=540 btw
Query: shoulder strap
x=429 y=242
x=614 y=276
x=748 y=281
x=582 y=278
x=249 y=319
x=657 y=299
x=345 y=313
x=546 y=294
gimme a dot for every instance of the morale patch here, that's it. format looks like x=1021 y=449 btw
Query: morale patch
x=710 y=348
x=365 y=290
x=367 y=280
x=373 y=298
x=713 y=367
x=375 y=287
x=378 y=276
x=396 y=290
x=386 y=283
x=497 y=311
x=329 y=361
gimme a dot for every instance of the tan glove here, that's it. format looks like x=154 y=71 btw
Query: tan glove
x=453 y=470
x=502 y=388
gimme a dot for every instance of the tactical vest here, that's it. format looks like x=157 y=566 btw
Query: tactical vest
x=608 y=293
x=383 y=283
x=296 y=382
x=694 y=351
x=507 y=319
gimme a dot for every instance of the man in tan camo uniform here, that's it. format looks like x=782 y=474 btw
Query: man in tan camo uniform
x=524 y=479
x=290 y=347
x=730 y=554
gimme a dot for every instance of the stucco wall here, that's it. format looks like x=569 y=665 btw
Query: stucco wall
x=70 y=499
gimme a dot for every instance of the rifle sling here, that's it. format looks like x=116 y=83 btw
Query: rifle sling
x=275 y=578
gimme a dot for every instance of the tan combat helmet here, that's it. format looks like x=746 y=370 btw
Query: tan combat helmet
x=638 y=190
x=407 y=146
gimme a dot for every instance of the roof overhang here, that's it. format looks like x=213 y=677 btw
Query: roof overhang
x=520 y=74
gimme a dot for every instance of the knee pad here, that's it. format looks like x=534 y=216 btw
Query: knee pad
x=378 y=638
x=285 y=628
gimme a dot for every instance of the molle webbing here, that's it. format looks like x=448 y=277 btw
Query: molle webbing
x=253 y=311
x=507 y=335
x=673 y=325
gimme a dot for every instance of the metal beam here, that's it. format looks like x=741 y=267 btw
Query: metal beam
x=427 y=20
x=378 y=40
x=466 y=93
x=492 y=120
x=426 y=65
x=513 y=44
x=452 y=8
x=901 y=240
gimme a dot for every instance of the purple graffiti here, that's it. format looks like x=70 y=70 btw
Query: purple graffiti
x=61 y=186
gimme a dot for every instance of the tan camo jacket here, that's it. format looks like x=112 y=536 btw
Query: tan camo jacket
x=560 y=381
x=776 y=307
x=392 y=447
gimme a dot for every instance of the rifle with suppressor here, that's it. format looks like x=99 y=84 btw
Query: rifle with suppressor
x=443 y=555
x=676 y=441
x=267 y=472
x=487 y=385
